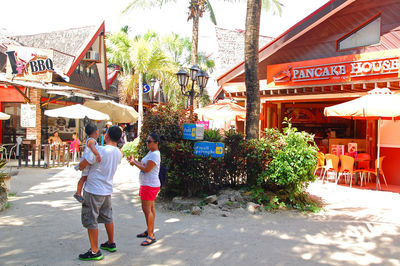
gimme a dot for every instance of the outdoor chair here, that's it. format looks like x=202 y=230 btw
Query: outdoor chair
x=373 y=171
x=346 y=168
x=332 y=164
x=362 y=163
x=13 y=150
x=320 y=164
x=363 y=160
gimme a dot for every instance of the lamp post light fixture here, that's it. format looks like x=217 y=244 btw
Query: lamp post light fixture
x=152 y=83
x=197 y=76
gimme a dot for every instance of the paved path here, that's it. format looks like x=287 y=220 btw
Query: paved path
x=42 y=227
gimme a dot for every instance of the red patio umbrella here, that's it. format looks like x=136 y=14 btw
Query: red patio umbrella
x=379 y=104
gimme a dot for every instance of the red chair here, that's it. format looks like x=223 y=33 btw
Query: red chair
x=363 y=160
x=346 y=168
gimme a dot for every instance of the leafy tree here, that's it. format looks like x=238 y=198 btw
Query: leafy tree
x=140 y=58
x=196 y=10
x=251 y=67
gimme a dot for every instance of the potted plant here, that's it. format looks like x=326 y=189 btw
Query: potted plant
x=4 y=183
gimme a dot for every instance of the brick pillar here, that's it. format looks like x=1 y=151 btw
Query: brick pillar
x=35 y=96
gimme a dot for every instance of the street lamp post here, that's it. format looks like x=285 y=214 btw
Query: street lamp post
x=196 y=75
x=152 y=83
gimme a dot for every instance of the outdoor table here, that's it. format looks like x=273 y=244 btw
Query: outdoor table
x=357 y=160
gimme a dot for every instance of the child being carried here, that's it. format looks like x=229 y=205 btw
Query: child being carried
x=91 y=149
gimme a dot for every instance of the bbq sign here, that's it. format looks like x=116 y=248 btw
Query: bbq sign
x=27 y=63
x=335 y=69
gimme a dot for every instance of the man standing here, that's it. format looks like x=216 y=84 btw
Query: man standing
x=96 y=207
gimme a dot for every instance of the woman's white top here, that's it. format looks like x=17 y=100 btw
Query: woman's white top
x=151 y=178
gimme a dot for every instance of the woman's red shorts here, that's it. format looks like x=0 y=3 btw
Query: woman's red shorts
x=148 y=193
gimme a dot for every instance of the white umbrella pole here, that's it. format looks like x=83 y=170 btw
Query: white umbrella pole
x=378 y=154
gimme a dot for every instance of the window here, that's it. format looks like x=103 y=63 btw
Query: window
x=12 y=127
x=368 y=33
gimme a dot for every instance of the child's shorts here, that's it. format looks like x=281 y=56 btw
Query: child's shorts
x=148 y=193
x=85 y=171
x=96 y=209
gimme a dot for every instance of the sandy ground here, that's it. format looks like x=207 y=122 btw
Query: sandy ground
x=42 y=227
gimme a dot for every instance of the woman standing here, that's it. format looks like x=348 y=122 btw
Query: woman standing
x=149 y=185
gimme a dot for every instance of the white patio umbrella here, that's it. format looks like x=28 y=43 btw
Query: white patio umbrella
x=77 y=111
x=4 y=116
x=379 y=104
x=119 y=113
x=222 y=110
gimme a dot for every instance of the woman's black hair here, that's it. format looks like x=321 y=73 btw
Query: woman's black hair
x=156 y=137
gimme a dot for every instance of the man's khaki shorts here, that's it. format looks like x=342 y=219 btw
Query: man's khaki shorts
x=96 y=209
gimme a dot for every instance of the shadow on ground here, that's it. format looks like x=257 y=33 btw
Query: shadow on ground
x=42 y=227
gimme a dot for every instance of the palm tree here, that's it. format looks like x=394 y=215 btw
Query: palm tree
x=178 y=49
x=140 y=57
x=251 y=62
x=251 y=69
x=196 y=11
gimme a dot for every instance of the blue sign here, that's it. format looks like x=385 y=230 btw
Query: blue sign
x=146 y=88
x=215 y=149
x=189 y=131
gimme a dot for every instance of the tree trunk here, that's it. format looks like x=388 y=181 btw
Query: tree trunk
x=195 y=38
x=251 y=75
x=251 y=68
x=140 y=107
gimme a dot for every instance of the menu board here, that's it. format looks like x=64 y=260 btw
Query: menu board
x=28 y=115
x=337 y=149
x=352 y=149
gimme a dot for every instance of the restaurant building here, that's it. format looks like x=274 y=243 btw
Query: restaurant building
x=338 y=53
x=47 y=71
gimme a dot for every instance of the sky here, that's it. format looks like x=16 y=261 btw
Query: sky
x=38 y=16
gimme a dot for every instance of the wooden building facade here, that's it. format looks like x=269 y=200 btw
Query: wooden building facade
x=339 y=52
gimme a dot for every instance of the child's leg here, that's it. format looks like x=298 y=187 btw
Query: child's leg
x=79 y=188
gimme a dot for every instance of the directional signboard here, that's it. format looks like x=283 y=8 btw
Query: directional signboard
x=215 y=149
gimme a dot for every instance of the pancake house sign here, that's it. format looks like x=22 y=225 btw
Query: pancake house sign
x=27 y=63
x=334 y=70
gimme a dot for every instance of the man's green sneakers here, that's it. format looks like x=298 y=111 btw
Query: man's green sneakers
x=91 y=256
x=110 y=247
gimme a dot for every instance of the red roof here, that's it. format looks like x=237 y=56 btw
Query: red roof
x=309 y=22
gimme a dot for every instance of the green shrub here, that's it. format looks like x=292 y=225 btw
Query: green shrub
x=257 y=156
x=131 y=148
x=234 y=159
x=212 y=135
x=289 y=172
x=166 y=122
x=282 y=163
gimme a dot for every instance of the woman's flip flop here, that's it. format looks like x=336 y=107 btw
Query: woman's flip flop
x=148 y=243
x=144 y=234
